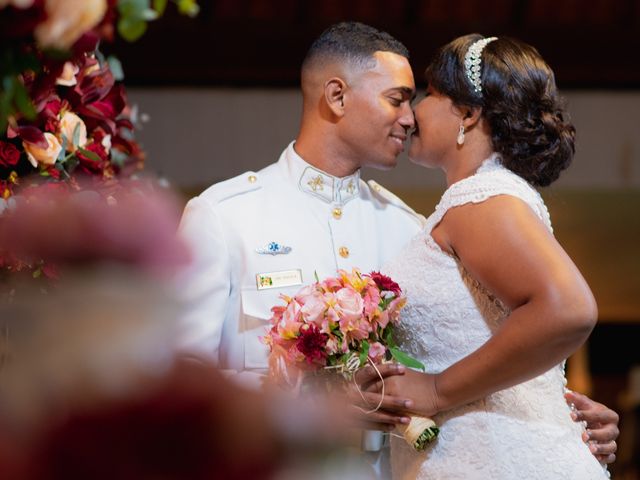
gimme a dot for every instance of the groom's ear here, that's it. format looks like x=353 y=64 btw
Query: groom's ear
x=334 y=91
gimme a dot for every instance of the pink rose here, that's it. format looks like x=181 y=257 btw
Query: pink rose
x=313 y=311
x=46 y=156
x=350 y=302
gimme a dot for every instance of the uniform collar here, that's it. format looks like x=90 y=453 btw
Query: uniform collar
x=319 y=184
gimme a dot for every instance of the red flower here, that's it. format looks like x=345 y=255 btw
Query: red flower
x=9 y=154
x=311 y=343
x=385 y=283
x=50 y=114
x=98 y=162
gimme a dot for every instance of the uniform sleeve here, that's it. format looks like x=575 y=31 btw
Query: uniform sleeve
x=204 y=286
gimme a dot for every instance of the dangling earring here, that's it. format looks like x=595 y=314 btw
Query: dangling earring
x=460 y=139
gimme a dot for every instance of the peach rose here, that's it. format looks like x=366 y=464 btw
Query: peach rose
x=68 y=124
x=46 y=156
x=67 y=20
x=68 y=76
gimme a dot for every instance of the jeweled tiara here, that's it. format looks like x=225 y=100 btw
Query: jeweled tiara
x=473 y=62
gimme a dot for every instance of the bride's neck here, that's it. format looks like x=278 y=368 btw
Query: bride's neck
x=465 y=162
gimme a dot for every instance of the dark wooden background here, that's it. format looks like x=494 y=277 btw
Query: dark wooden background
x=589 y=43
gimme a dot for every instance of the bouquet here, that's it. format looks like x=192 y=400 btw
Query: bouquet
x=337 y=326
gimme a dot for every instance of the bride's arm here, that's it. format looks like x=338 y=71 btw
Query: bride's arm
x=505 y=246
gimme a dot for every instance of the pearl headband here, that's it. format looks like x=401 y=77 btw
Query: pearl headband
x=473 y=62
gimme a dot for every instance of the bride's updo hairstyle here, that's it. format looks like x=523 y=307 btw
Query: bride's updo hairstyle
x=517 y=92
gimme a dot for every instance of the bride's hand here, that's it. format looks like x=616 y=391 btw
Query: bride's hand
x=418 y=390
x=369 y=409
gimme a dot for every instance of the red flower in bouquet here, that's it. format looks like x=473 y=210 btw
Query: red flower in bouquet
x=385 y=283
x=9 y=154
x=312 y=343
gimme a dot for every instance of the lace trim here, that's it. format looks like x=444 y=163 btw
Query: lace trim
x=490 y=180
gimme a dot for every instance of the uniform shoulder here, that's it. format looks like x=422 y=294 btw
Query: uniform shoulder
x=242 y=184
x=386 y=197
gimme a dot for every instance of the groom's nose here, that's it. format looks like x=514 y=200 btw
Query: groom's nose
x=407 y=119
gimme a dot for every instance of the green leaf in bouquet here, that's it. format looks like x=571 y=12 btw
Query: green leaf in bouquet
x=117 y=157
x=116 y=68
x=388 y=337
x=405 y=359
x=23 y=102
x=364 y=353
x=76 y=135
x=132 y=8
x=70 y=164
x=94 y=157
x=160 y=6
x=188 y=7
x=131 y=29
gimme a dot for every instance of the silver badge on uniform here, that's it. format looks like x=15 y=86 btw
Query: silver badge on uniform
x=273 y=248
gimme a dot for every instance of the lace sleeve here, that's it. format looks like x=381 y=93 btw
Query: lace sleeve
x=487 y=183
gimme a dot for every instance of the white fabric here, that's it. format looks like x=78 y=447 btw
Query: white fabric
x=227 y=223
x=521 y=432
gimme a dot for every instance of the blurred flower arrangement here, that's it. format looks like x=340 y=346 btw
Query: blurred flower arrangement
x=64 y=116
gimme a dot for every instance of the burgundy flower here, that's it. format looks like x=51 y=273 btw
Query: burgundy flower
x=311 y=343
x=385 y=283
x=50 y=114
x=94 y=86
x=95 y=163
x=9 y=154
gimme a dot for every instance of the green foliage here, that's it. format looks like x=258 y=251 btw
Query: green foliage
x=188 y=7
x=364 y=353
x=405 y=359
x=134 y=15
x=14 y=98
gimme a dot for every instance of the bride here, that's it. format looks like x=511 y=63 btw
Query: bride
x=495 y=304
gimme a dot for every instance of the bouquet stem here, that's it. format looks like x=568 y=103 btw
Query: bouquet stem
x=420 y=432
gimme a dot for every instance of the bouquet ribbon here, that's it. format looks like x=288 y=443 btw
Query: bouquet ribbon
x=420 y=431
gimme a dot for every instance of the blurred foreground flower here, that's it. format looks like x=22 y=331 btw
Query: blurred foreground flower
x=131 y=226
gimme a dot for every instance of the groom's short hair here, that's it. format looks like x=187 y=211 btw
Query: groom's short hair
x=353 y=43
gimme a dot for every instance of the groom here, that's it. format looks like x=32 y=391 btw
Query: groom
x=265 y=233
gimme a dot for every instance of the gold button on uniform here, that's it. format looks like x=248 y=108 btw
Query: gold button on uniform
x=337 y=213
x=252 y=179
x=344 y=252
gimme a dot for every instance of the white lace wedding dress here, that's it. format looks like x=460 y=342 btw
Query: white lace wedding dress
x=521 y=432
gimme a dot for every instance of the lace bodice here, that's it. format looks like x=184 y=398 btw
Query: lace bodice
x=521 y=432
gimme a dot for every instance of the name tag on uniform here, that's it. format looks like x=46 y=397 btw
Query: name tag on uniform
x=285 y=278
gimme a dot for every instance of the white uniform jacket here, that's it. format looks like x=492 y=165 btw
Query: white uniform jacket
x=264 y=233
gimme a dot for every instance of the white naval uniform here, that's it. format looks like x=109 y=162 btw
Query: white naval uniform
x=323 y=222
